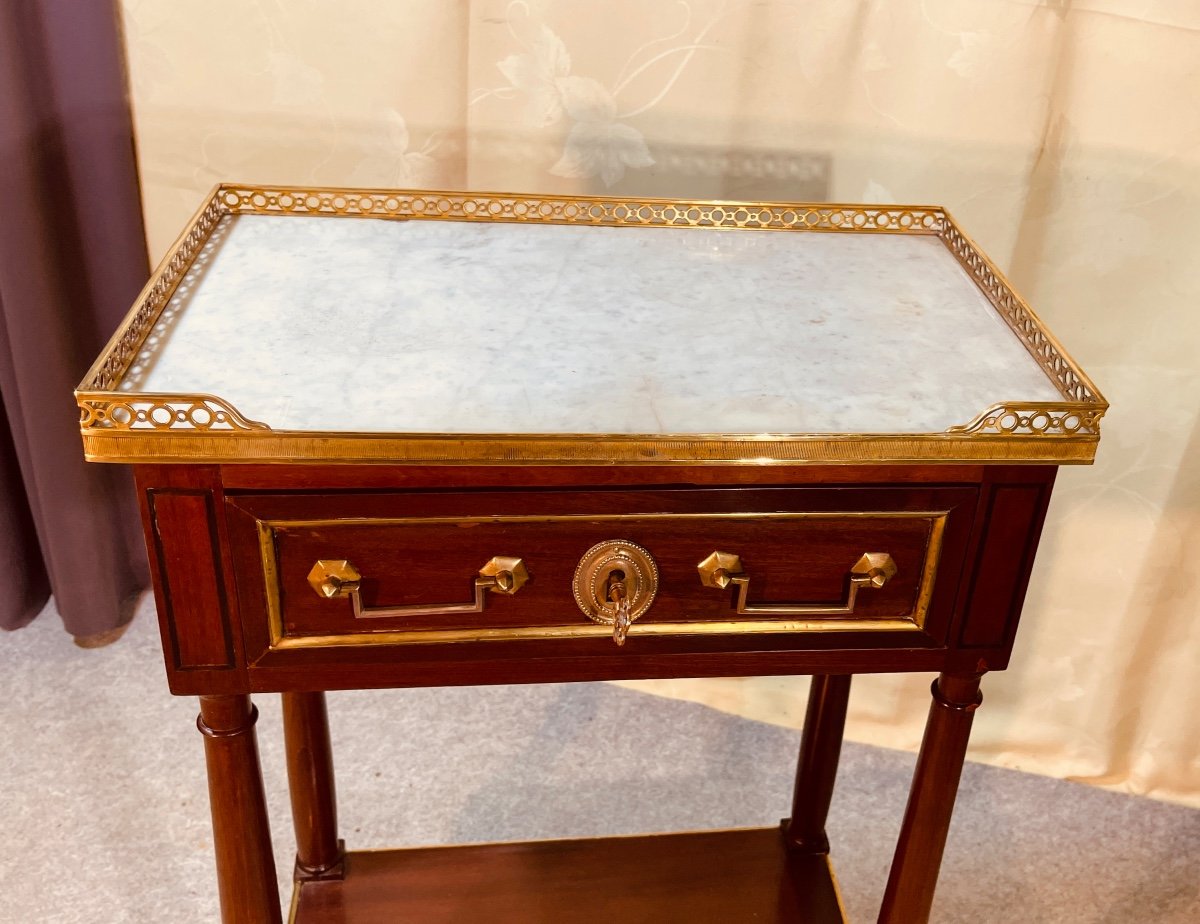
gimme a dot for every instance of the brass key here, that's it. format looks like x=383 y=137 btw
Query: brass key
x=619 y=598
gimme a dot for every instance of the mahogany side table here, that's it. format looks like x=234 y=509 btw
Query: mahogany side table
x=390 y=438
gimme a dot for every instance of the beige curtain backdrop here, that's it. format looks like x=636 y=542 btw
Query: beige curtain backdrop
x=1065 y=135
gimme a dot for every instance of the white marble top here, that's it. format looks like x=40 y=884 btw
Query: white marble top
x=310 y=323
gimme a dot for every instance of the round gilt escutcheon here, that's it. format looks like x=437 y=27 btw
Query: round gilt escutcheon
x=600 y=564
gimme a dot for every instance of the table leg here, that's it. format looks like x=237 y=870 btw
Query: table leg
x=820 y=748
x=909 y=893
x=241 y=832
x=310 y=779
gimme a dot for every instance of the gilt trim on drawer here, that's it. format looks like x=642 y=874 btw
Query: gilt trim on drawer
x=912 y=622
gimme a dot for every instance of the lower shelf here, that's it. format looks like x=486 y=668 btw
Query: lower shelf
x=713 y=876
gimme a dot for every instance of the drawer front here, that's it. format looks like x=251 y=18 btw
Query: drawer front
x=403 y=569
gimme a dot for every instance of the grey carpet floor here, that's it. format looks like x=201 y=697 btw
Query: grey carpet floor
x=105 y=813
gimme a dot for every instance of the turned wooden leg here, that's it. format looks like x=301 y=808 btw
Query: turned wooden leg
x=820 y=748
x=909 y=893
x=241 y=832
x=310 y=779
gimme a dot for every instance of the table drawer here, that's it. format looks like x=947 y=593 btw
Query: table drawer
x=421 y=569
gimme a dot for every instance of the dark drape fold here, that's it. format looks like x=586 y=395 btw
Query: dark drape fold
x=72 y=259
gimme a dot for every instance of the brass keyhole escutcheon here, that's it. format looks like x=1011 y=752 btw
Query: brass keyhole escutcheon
x=615 y=583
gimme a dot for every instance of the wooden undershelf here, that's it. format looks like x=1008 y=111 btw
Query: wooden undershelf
x=712 y=877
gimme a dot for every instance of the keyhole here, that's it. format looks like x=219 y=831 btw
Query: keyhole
x=615 y=589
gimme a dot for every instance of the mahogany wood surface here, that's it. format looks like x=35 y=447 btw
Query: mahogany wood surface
x=804 y=560
x=1014 y=515
x=719 y=877
x=596 y=659
x=299 y=673
x=266 y=669
x=195 y=580
x=355 y=477
x=202 y=526
x=241 y=832
x=186 y=550
x=816 y=770
x=311 y=782
x=913 y=877
x=1003 y=542
x=420 y=548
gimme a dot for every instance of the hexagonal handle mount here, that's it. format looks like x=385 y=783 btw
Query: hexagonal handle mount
x=336 y=577
x=722 y=569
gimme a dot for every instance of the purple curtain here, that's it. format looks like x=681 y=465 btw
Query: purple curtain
x=72 y=259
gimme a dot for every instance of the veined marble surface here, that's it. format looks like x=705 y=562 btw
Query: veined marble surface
x=308 y=323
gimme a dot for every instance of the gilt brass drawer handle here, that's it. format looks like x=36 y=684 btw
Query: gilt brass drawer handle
x=338 y=578
x=721 y=569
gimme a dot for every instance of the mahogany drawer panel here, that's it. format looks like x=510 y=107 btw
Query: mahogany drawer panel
x=797 y=545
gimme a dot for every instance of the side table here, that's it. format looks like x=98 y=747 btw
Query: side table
x=520 y=439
